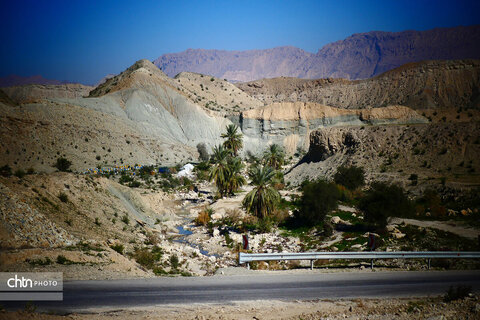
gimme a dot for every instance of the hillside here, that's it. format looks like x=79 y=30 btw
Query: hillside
x=289 y=124
x=427 y=84
x=35 y=92
x=359 y=56
x=135 y=117
x=432 y=151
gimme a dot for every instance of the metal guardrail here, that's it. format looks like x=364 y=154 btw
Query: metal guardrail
x=372 y=255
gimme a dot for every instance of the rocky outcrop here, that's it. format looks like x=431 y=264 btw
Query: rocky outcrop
x=289 y=124
x=428 y=84
x=393 y=153
x=359 y=56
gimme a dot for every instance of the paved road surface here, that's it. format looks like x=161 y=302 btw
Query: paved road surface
x=116 y=294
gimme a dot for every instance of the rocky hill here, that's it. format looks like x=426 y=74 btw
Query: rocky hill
x=427 y=84
x=135 y=117
x=434 y=152
x=217 y=96
x=359 y=56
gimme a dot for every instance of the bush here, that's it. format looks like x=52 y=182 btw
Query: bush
x=147 y=258
x=203 y=217
x=125 y=178
x=6 y=171
x=134 y=184
x=202 y=151
x=382 y=200
x=20 y=173
x=63 y=260
x=318 y=199
x=351 y=177
x=174 y=262
x=431 y=202
x=125 y=219
x=63 y=197
x=63 y=164
x=118 y=248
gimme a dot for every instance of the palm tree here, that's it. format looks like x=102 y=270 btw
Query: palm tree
x=219 y=172
x=262 y=199
x=274 y=156
x=235 y=179
x=234 y=140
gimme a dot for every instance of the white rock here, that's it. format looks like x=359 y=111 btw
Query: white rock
x=335 y=220
x=216 y=232
x=398 y=235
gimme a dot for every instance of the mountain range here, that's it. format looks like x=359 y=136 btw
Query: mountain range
x=359 y=56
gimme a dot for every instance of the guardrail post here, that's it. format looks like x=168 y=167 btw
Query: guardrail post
x=371 y=264
x=428 y=260
x=311 y=264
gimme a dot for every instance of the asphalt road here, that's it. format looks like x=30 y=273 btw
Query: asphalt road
x=117 y=294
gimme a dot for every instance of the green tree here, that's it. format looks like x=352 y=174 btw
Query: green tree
x=234 y=140
x=63 y=164
x=318 y=198
x=350 y=177
x=274 y=156
x=383 y=200
x=219 y=172
x=235 y=179
x=262 y=200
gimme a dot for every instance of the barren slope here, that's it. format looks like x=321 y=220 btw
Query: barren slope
x=428 y=84
x=394 y=152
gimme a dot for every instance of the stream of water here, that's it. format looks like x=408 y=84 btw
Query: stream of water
x=182 y=239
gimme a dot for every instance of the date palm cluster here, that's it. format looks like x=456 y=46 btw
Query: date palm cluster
x=227 y=173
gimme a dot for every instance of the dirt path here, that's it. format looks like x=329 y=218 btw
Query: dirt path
x=449 y=226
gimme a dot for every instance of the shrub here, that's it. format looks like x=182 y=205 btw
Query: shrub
x=125 y=219
x=430 y=201
x=174 y=262
x=6 y=171
x=61 y=259
x=39 y=262
x=20 y=173
x=203 y=217
x=414 y=179
x=134 y=184
x=382 y=200
x=63 y=197
x=147 y=258
x=118 y=248
x=63 y=164
x=351 y=177
x=318 y=198
x=202 y=151
x=125 y=178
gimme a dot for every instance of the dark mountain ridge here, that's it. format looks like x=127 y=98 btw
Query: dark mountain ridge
x=359 y=56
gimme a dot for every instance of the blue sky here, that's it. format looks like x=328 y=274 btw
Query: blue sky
x=82 y=41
